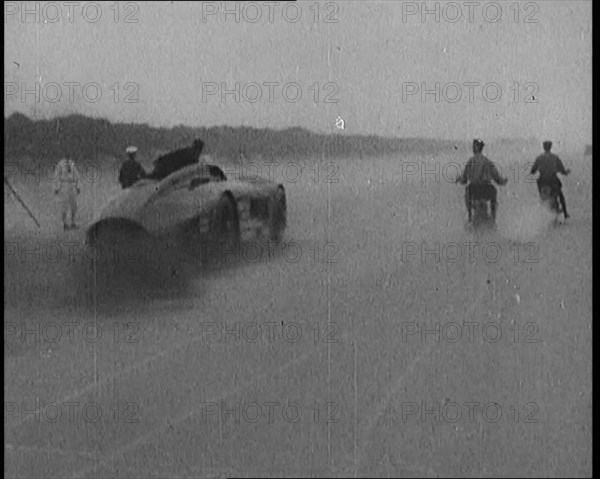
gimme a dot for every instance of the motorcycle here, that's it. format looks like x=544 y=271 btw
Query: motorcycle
x=482 y=215
x=549 y=198
x=481 y=211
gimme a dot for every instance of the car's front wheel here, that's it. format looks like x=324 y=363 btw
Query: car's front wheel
x=224 y=235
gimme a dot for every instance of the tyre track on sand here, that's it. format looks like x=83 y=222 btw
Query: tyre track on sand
x=123 y=449
x=395 y=388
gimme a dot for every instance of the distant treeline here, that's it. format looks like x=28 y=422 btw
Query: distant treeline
x=88 y=138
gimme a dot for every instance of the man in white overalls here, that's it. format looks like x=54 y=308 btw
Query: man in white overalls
x=67 y=187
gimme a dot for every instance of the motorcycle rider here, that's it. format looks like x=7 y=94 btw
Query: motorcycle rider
x=549 y=165
x=479 y=172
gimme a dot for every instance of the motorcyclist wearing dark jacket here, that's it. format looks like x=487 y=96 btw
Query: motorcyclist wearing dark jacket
x=549 y=165
x=479 y=172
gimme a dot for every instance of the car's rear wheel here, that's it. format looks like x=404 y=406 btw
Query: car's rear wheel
x=278 y=216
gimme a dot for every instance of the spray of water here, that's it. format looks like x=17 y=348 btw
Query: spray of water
x=526 y=222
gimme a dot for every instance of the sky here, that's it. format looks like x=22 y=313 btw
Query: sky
x=367 y=63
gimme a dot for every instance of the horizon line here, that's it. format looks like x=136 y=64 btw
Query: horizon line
x=181 y=125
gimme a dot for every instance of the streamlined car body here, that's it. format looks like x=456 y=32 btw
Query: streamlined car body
x=196 y=207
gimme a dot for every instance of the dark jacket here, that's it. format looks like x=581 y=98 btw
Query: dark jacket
x=130 y=173
x=479 y=170
x=549 y=165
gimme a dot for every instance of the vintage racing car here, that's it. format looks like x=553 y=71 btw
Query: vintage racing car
x=195 y=208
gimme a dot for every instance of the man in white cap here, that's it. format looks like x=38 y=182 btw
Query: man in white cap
x=131 y=171
x=67 y=187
